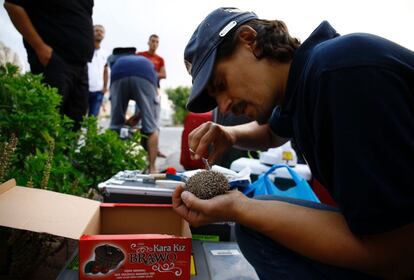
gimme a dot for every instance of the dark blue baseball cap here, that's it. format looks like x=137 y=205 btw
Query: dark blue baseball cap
x=200 y=52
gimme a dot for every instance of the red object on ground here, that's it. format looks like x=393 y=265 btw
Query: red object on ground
x=192 y=120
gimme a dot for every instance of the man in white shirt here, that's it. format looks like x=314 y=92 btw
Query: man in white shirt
x=97 y=72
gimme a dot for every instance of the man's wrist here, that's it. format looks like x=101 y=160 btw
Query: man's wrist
x=39 y=46
x=240 y=208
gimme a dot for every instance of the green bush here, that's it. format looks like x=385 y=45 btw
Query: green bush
x=179 y=97
x=39 y=148
x=104 y=154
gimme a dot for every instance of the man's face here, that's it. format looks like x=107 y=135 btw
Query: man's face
x=99 y=33
x=243 y=85
x=153 y=43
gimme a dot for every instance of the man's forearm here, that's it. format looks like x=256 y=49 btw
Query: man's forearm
x=24 y=25
x=324 y=236
x=252 y=136
x=162 y=74
x=105 y=78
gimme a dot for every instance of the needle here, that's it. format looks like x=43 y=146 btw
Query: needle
x=206 y=163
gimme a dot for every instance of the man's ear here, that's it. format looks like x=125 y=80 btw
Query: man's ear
x=247 y=35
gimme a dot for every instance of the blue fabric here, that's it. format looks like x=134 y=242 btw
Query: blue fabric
x=274 y=261
x=264 y=186
x=349 y=105
x=95 y=102
x=134 y=65
x=143 y=93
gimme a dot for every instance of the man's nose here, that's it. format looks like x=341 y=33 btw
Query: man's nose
x=223 y=103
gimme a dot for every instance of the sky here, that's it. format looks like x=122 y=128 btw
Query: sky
x=130 y=22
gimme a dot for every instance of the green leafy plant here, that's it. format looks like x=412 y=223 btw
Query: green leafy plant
x=179 y=97
x=101 y=155
x=47 y=152
x=28 y=110
x=6 y=152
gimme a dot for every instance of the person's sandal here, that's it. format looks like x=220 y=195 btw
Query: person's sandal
x=160 y=154
x=133 y=121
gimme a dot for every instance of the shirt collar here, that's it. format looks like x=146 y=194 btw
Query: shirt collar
x=322 y=33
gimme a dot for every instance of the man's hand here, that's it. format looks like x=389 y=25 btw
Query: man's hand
x=212 y=135
x=200 y=212
x=44 y=53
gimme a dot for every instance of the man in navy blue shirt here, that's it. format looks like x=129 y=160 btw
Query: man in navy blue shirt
x=348 y=102
x=134 y=78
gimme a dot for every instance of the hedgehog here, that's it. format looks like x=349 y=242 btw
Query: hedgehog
x=207 y=184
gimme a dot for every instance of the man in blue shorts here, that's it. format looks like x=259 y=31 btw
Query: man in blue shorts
x=134 y=78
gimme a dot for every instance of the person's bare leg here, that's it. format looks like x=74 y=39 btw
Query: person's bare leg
x=152 y=149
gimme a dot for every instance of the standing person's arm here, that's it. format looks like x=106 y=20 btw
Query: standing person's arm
x=24 y=25
x=162 y=74
x=105 y=79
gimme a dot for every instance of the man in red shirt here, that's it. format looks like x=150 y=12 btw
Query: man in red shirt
x=157 y=60
x=159 y=66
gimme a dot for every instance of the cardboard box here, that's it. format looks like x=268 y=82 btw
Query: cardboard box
x=116 y=241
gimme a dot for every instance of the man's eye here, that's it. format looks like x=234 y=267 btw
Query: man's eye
x=220 y=86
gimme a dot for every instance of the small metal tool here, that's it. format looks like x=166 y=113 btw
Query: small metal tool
x=205 y=161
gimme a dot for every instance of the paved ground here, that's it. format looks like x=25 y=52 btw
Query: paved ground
x=170 y=145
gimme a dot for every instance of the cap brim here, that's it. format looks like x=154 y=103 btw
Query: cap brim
x=199 y=101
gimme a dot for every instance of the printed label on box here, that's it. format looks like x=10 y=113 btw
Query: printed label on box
x=135 y=259
x=230 y=252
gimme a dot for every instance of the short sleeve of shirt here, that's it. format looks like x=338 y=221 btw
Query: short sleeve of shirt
x=280 y=123
x=370 y=115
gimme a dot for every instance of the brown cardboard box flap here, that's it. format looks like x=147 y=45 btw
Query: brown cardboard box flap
x=46 y=211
